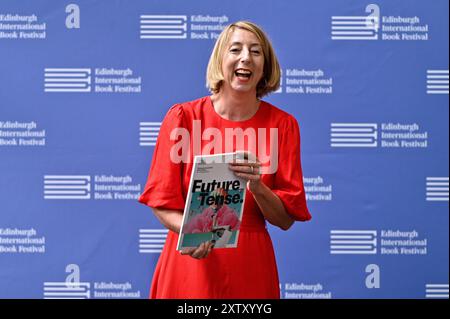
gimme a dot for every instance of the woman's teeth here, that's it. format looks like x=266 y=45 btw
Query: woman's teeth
x=242 y=73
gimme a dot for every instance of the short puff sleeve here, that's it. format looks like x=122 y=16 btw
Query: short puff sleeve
x=164 y=184
x=288 y=182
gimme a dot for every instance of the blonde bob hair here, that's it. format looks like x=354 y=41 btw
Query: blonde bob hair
x=270 y=80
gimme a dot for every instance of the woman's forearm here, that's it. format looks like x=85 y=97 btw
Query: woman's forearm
x=272 y=207
x=171 y=219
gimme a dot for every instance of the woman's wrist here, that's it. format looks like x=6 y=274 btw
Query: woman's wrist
x=256 y=187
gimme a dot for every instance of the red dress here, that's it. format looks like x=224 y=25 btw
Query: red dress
x=250 y=270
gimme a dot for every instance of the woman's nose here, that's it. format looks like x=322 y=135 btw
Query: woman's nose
x=245 y=55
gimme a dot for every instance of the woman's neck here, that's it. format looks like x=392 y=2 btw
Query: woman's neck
x=235 y=106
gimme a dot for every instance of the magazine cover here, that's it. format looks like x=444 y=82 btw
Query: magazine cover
x=214 y=204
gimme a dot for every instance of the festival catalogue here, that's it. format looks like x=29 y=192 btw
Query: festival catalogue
x=214 y=204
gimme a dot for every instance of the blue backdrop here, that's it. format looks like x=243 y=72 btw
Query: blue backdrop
x=84 y=86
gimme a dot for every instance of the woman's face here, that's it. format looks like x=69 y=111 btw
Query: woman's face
x=242 y=62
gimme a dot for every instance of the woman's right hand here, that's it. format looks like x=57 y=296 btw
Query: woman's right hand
x=199 y=252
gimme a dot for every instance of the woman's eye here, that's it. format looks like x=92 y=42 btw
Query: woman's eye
x=234 y=50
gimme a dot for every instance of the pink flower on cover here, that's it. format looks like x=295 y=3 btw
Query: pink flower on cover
x=228 y=216
x=203 y=223
x=200 y=223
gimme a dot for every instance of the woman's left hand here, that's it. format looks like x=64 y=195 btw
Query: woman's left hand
x=250 y=171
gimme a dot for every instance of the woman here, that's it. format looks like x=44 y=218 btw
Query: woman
x=242 y=68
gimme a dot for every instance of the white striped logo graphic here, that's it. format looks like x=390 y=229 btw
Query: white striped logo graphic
x=163 y=27
x=151 y=241
x=355 y=27
x=67 y=80
x=437 y=189
x=67 y=187
x=67 y=290
x=437 y=82
x=148 y=133
x=436 y=291
x=354 y=134
x=353 y=242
